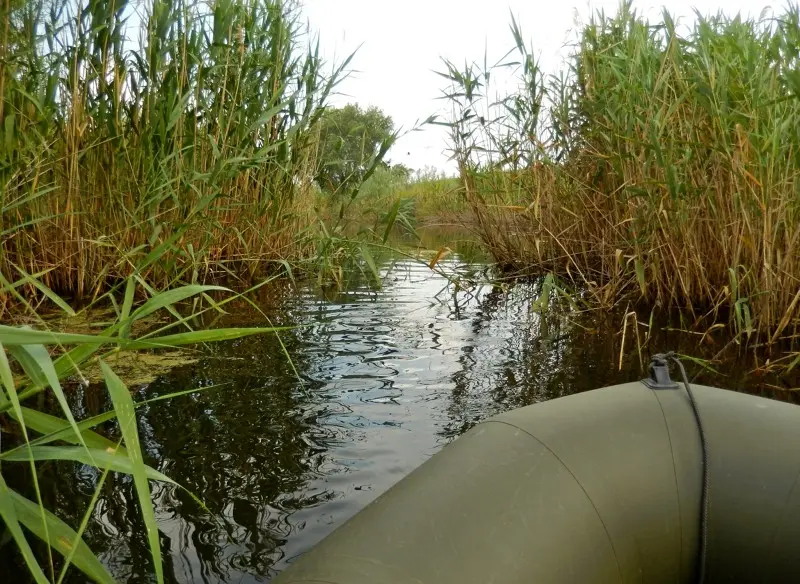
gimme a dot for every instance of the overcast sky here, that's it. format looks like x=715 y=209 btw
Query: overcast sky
x=402 y=43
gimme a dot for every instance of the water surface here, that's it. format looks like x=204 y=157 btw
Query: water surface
x=380 y=380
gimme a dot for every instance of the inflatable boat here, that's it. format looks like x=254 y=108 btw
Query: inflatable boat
x=629 y=483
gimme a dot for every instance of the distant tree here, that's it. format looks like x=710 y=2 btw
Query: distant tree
x=350 y=138
x=402 y=171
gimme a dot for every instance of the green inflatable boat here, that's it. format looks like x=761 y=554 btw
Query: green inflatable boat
x=623 y=484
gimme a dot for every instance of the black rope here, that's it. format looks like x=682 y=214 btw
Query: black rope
x=701 y=569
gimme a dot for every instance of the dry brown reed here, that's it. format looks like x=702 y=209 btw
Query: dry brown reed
x=171 y=141
x=668 y=168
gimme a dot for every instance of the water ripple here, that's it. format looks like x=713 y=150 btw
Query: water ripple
x=282 y=455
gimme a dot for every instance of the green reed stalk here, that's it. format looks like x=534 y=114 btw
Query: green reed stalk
x=126 y=127
x=660 y=164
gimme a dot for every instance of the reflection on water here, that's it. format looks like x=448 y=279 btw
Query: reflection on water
x=283 y=453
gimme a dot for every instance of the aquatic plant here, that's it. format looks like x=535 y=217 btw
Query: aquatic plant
x=36 y=361
x=661 y=167
x=134 y=128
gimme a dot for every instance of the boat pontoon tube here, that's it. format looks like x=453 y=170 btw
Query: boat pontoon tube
x=602 y=486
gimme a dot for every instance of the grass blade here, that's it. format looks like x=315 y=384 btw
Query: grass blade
x=7 y=381
x=127 y=304
x=373 y=268
x=99 y=458
x=390 y=220
x=18 y=336
x=52 y=296
x=54 y=428
x=123 y=405
x=171 y=297
x=60 y=537
x=36 y=362
x=195 y=337
x=14 y=335
x=9 y=515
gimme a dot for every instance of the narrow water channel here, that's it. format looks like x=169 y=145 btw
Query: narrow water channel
x=379 y=380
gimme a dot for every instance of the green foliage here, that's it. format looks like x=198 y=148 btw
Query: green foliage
x=130 y=174
x=350 y=140
x=436 y=197
x=198 y=137
x=46 y=437
x=385 y=181
x=409 y=199
x=656 y=165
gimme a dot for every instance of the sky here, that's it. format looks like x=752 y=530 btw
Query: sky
x=401 y=43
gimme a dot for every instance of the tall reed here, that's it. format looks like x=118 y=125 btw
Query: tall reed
x=658 y=164
x=133 y=128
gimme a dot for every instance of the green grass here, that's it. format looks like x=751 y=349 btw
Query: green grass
x=659 y=167
x=425 y=198
x=196 y=136
x=436 y=200
x=35 y=361
x=132 y=173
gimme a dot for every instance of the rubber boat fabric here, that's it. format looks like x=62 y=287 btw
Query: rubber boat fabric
x=601 y=486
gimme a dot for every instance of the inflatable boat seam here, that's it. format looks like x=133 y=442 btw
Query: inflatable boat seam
x=569 y=470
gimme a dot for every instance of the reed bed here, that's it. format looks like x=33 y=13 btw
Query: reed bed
x=134 y=129
x=145 y=149
x=429 y=198
x=659 y=166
